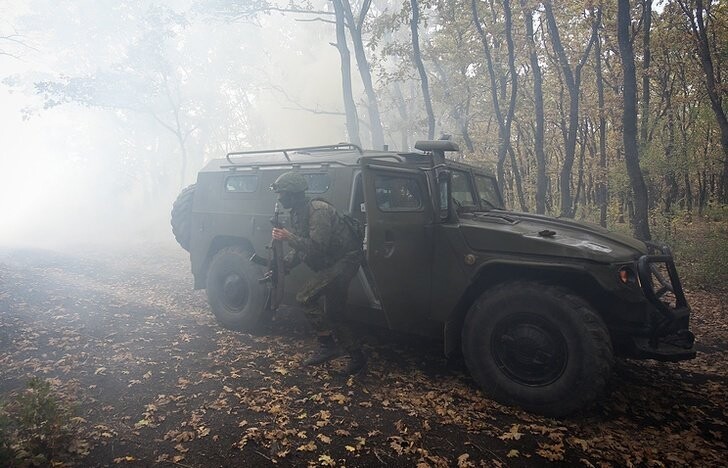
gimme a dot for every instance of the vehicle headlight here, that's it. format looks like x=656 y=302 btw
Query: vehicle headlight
x=628 y=276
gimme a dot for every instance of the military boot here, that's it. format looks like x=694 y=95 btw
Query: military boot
x=357 y=363
x=326 y=351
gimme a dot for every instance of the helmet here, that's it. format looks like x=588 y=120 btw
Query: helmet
x=290 y=182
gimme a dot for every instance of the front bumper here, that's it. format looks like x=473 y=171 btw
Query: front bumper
x=669 y=337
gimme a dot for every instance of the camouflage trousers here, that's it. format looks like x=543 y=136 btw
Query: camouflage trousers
x=332 y=284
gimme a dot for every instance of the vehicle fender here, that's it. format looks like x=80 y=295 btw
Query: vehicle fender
x=217 y=244
x=490 y=274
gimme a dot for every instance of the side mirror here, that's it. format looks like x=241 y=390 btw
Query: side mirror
x=444 y=185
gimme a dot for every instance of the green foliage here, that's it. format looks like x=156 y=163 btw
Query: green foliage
x=35 y=427
x=699 y=246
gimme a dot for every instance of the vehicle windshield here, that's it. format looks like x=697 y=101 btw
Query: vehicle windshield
x=488 y=192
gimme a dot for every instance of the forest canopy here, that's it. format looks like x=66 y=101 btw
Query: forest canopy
x=610 y=111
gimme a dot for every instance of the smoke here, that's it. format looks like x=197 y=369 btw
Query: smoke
x=72 y=175
x=60 y=184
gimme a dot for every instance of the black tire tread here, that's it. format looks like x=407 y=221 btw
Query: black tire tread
x=251 y=324
x=181 y=219
x=592 y=386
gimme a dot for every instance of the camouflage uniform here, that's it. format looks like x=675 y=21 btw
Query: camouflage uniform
x=326 y=244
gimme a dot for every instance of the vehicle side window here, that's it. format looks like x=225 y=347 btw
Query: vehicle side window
x=398 y=193
x=462 y=188
x=318 y=182
x=247 y=183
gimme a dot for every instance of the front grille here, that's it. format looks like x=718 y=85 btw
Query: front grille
x=660 y=282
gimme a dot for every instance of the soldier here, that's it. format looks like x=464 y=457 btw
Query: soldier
x=322 y=239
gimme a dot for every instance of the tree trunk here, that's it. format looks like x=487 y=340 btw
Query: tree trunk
x=697 y=17
x=417 y=56
x=519 y=182
x=640 y=222
x=401 y=106
x=457 y=112
x=504 y=121
x=352 y=119
x=573 y=83
x=646 y=59
x=602 y=192
x=538 y=110
x=355 y=29
x=688 y=193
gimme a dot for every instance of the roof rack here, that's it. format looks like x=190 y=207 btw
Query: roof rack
x=302 y=149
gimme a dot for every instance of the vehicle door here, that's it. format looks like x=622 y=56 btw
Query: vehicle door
x=399 y=217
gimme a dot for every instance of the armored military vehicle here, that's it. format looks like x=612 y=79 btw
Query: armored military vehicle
x=538 y=306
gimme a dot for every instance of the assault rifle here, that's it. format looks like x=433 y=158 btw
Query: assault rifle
x=275 y=263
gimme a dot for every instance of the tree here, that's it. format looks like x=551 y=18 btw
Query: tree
x=602 y=192
x=573 y=83
x=504 y=120
x=699 y=23
x=646 y=60
x=356 y=26
x=640 y=222
x=352 y=118
x=538 y=139
x=417 y=56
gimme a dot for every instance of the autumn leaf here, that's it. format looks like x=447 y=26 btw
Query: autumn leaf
x=323 y=438
x=551 y=452
x=513 y=453
x=326 y=460
x=512 y=434
x=309 y=447
x=463 y=461
x=339 y=398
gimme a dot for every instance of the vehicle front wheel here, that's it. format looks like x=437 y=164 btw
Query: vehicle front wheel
x=537 y=346
x=235 y=296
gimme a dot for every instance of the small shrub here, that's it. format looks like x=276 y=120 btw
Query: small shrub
x=35 y=427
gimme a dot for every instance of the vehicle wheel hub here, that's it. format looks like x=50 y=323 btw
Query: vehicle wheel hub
x=529 y=350
x=235 y=291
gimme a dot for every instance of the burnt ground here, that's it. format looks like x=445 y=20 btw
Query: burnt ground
x=155 y=380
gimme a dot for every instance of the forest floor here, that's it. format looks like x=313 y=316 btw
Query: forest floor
x=154 y=380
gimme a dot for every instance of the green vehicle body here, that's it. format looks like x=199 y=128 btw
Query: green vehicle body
x=438 y=240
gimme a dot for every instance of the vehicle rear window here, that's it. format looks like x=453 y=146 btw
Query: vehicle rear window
x=318 y=182
x=398 y=193
x=247 y=183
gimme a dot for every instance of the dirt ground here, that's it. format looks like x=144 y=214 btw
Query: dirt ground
x=156 y=381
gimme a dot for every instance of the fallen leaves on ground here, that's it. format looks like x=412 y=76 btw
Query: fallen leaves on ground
x=159 y=381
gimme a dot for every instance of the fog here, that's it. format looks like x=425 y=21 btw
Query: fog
x=95 y=156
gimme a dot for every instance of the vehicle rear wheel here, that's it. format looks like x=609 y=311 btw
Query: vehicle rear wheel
x=182 y=216
x=235 y=296
x=537 y=346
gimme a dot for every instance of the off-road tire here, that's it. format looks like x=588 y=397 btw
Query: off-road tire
x=537 y=346
x=182 y=216
x=235 y=296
